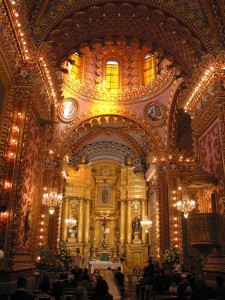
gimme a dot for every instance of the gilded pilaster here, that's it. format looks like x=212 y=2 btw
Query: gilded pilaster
x=143 y=213
x=87 y=221
x=65 y=215
x=80 y=221
x=122 y=221
x=129 y=222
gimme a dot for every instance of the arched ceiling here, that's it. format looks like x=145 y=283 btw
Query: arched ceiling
x=119 y=132
x=182 y=30
x=173 y=27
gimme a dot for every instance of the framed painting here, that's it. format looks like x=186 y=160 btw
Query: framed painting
x=155 y=113
x=104 y=196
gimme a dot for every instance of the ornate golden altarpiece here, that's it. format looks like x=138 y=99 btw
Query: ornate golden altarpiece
x=108 y=200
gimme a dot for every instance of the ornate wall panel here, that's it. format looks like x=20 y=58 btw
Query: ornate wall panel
x=32 y=168
x=203 y=229
x=210 y=155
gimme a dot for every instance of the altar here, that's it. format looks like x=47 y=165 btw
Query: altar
x=104 y=265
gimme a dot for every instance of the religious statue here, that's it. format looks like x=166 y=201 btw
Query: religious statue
x=136 y=230
x=136 y=225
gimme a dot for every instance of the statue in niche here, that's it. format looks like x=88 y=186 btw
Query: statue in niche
x=136 y=225
x=136 y=230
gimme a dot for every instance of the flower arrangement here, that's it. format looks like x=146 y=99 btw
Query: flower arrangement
x=43 y=256
x=64 y=255
x=171 y=256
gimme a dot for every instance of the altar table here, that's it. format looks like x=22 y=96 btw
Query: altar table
x=104 y=265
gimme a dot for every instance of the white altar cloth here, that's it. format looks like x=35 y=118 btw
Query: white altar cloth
x=103 y=265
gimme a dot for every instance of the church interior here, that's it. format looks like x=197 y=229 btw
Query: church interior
x=112 y=133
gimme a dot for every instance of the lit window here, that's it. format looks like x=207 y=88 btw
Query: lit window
x=75 y=66
x=149 y=69
x=112 y=75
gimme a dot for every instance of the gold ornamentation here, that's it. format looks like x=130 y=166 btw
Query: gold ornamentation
x=156 y=113
x=68 y=109
x=136 y=206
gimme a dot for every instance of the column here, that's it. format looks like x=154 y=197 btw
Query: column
x=122 y=221
x=87 y=221
x=65 y=215
x=80 y=221
x=143 y=215
x=129 y=223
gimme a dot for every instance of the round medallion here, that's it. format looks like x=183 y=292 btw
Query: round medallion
x=136 y=206
x=68 y=109
x=105 y=172
x=155 y=113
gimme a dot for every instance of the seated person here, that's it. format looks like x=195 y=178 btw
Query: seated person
x=20 y=292
x=173 y=287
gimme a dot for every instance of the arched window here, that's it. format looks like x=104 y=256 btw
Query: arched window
x=112 y=75
x=75 y=66
x=149 y=68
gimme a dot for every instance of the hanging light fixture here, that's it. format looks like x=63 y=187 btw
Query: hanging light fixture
x=146 y=224
x=71 y=222
x=52 y=200
x=185 y=204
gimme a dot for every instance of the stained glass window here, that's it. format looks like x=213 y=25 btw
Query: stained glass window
x=75 y=66
x=112 y=75
x=149 y=69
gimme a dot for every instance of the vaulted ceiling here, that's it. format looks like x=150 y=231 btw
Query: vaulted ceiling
x=183 y=31
x=180 y=28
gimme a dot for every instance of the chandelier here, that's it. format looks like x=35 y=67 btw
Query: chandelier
x=52 y=199
x=185 y=204
x=146 y=224
x=71 y=222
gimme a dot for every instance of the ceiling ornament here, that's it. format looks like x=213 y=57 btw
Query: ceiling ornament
x=153 y=26
x=208 y=68
x=68 y=109
x=101 y=150
x=156 y=113
x=64 y=9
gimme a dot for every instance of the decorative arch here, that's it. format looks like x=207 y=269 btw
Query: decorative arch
x=102 y=150
x=98 y=131
x=157 y=144
x=173 y=8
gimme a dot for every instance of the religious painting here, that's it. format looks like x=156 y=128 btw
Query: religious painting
x=68 y=109
x=105 y=196
x=155 y=113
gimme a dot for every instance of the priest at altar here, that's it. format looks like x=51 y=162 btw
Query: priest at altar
x=77 y=259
